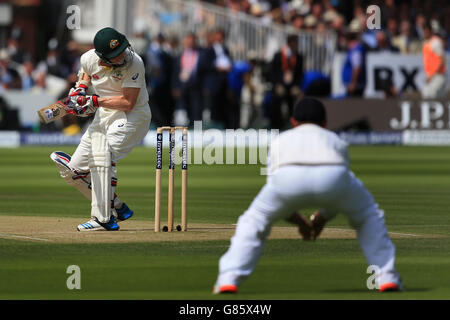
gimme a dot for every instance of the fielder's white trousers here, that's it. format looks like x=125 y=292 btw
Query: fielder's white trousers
x=334 y=189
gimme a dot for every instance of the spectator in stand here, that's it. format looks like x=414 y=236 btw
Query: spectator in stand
x=188 y=79
x=70 y=59
x=40 y=78
x=329 y=10
x=15 y=53
x=298 y=22
x=434 y=64
x=354 y=72
x=239 y=76
x=52 y=62
x=405 y=41
x=253 y=92
x=419 y=26
x=159 y=70
x=392 y=29
x=302 y=7
x=172 y=45
x=27 y=76
x=310 y=22
x=286 y=78
x=329 y=16
x=9 y=76
x=389 y=9
x=338 y=25
x=219 y=65
x=383 y=43
x=208 y=76
x=317 y=11
x=359 y=16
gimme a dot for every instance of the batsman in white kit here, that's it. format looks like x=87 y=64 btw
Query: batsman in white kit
x=112 y=84
x=309 y=167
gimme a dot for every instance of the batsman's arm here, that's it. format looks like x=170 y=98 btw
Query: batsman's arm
x=83 y=78
x=82 y=85
x=125 y=102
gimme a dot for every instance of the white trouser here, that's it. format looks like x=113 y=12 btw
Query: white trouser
x=334 y=189
x=121 y=135
x=435 y=88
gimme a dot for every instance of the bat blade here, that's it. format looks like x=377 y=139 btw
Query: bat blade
x=52 y=112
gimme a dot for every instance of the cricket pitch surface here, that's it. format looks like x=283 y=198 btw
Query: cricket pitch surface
x=63 y=230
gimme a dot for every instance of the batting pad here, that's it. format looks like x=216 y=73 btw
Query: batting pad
x=79 y=180
x=100 y=166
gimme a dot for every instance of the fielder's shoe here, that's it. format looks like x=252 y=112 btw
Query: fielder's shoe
x=391 y=287
x=95 y=225
x=227 y=288
x=124 y=213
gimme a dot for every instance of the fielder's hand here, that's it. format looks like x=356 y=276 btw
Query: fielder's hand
x=318 y=222
x=305 y=227
x=86 y=105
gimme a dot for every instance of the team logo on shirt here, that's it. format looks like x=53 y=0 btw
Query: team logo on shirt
x=135 y=76
x=117 y=75
x=113 y=43
x=95 y=77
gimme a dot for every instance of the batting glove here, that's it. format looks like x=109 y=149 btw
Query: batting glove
x=86 y=105
x=78 y=91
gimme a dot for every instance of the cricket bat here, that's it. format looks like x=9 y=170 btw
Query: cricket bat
x=52 y=112
x=58 y=109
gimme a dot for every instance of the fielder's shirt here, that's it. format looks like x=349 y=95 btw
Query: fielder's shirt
x=307 y=144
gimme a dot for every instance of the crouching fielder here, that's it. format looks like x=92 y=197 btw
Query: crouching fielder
x=114 y=74
x=309 y=167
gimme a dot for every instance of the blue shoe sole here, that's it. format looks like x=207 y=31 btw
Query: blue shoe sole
x=125 y=213
x=125 y=216
x=111 y=225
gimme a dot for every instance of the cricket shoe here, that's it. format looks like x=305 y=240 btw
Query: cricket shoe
x=95 y=225
x=227 y=288
x=392 y=287
x=61 y=158
x=124 y=213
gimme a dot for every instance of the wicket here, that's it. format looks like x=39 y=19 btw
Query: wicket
x=159 y=153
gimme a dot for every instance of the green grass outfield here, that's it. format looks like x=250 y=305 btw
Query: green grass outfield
x=412 y=184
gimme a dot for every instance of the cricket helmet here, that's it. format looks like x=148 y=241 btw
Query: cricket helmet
x=109 y=43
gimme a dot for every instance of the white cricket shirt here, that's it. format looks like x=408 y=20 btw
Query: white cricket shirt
x=307 y=144
x=108 y=82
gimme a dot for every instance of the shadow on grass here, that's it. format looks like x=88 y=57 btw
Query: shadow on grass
x=359 y=290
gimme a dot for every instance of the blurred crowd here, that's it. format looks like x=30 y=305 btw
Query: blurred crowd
x=189 y=82
x=402 y=21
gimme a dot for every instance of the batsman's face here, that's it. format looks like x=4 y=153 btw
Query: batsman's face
x=119 y=59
